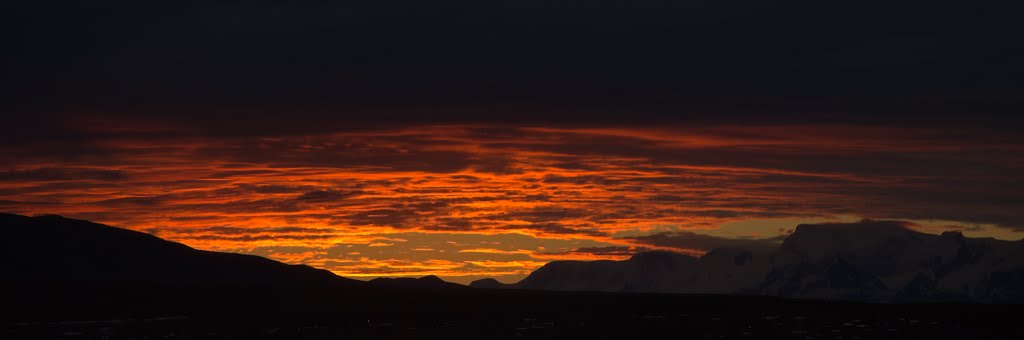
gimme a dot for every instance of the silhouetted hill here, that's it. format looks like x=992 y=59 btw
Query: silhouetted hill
x=650 y=271
x=54 y=248
x=487 y=283
x=429 y=282
x=865 y=261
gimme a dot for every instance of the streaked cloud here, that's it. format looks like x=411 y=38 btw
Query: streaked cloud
x=468 y=201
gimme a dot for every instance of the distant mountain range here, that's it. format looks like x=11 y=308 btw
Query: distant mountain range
x=876 y=261
x=866 y=261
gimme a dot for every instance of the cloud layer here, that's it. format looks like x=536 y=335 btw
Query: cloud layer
x=499 y=200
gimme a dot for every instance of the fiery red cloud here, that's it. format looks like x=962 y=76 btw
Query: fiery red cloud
x=472 y=201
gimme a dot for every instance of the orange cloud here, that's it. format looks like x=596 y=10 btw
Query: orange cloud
x=378 y=202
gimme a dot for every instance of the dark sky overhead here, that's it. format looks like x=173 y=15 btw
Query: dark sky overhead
x=484 y=138
x=544 y=60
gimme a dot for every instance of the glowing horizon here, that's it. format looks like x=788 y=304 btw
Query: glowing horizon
x=470 y=201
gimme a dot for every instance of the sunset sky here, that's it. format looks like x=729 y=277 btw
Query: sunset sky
x=471 y=139
x=469 y=201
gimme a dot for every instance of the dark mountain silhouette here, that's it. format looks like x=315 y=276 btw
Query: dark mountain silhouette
x=429 y=282
x=487 y=283
x=649 y=271
x=864 y=261
x=54 y=248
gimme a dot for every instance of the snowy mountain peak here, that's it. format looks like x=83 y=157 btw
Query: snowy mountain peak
x=867 y=261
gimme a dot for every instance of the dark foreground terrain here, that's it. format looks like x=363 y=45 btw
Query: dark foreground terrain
x=75 y=311
x=100 y=282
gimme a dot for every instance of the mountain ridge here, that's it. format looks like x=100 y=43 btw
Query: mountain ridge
x=55 y=248
x=873 y=261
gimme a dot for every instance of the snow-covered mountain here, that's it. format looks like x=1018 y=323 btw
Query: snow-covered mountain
x=867 y=261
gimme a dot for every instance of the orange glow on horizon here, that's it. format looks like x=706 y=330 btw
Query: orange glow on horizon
x=476 y=201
